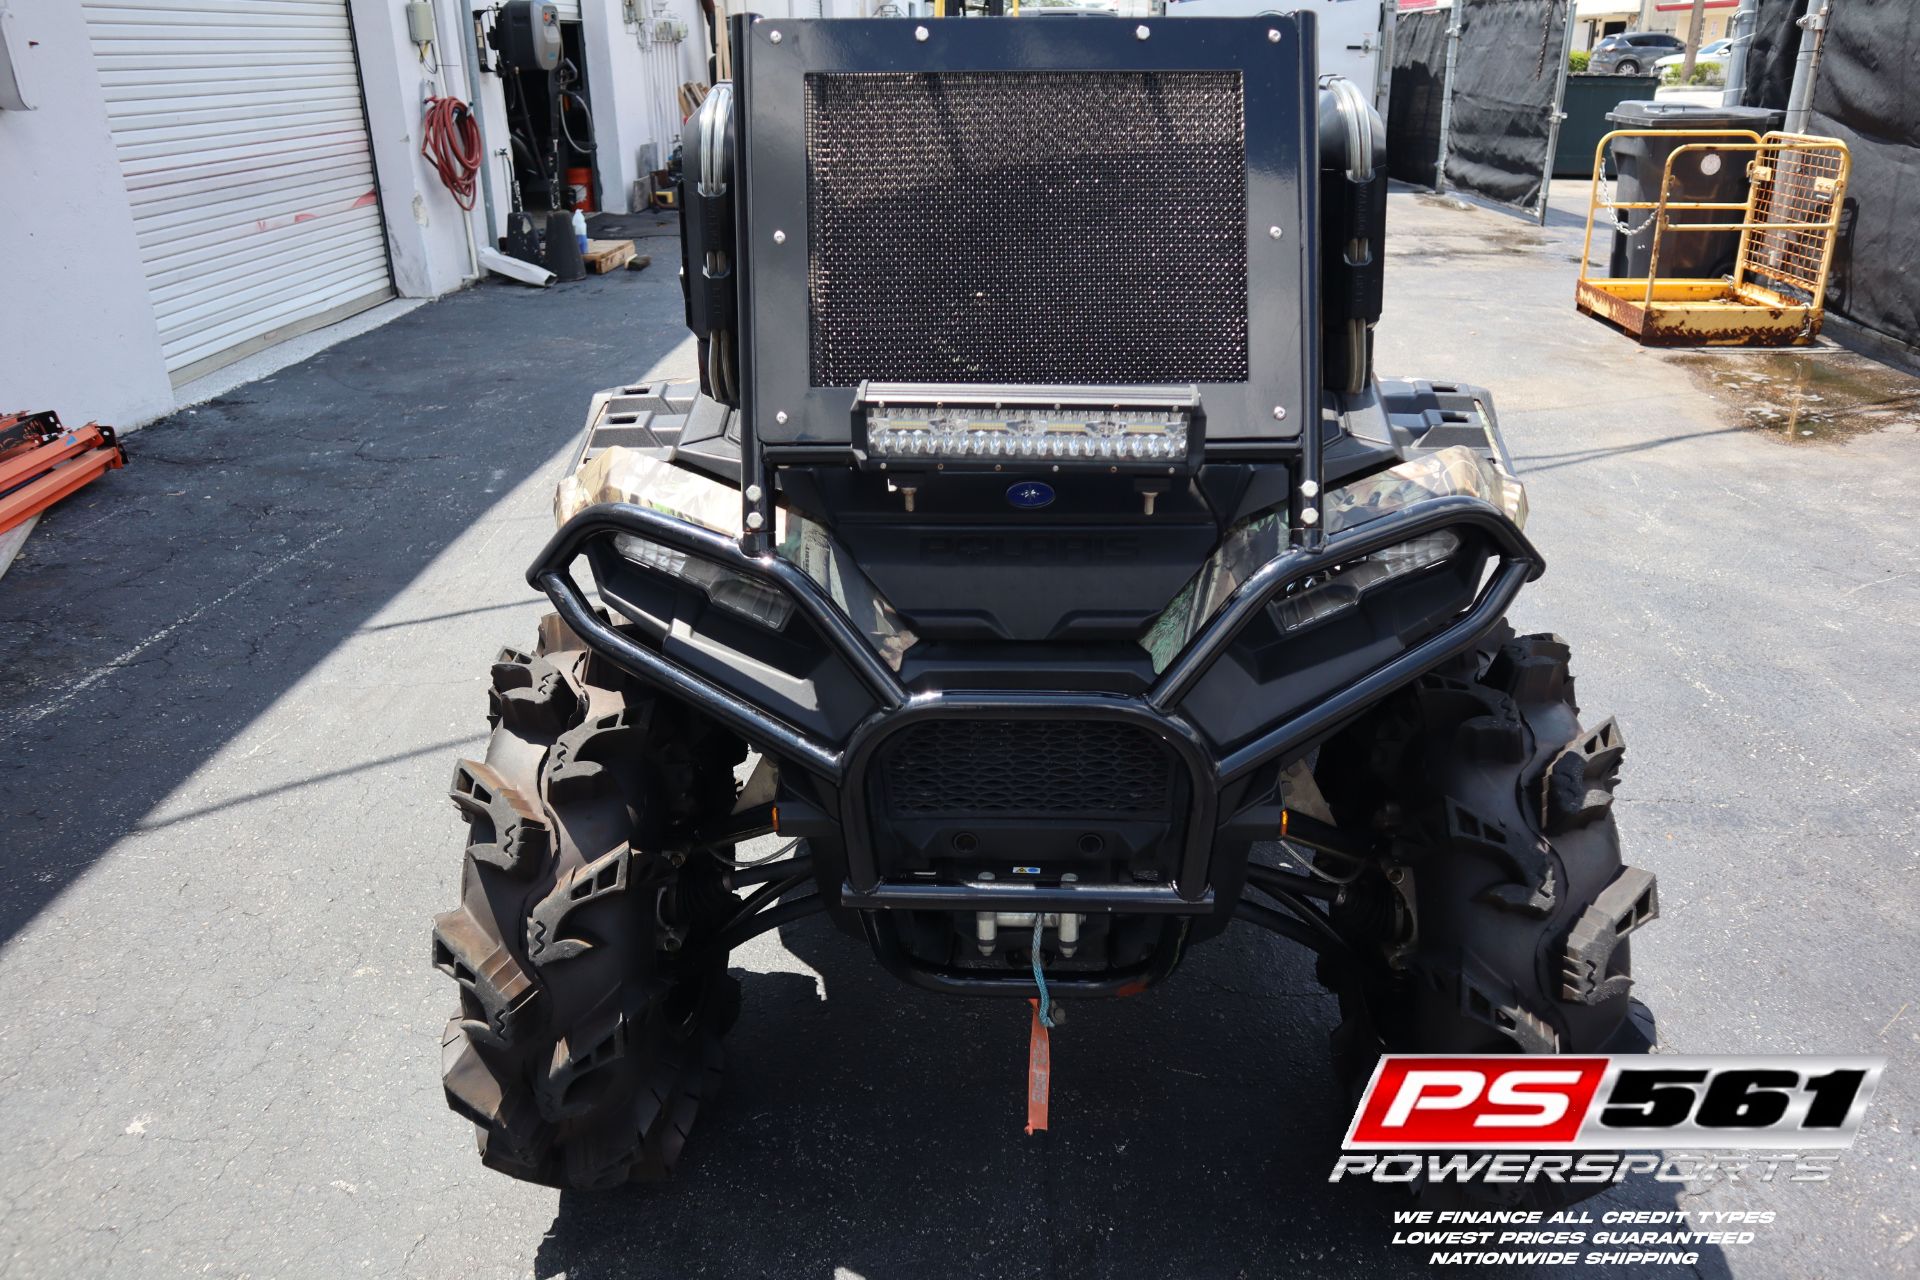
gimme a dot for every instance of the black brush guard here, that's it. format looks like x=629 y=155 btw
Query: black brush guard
x=845 y=765
x=1260 y=161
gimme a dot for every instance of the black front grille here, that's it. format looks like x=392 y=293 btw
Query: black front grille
x=1030 y=768
x=1027 y=227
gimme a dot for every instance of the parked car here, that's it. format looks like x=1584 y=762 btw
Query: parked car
x=1714 y=55
x=1628 y=53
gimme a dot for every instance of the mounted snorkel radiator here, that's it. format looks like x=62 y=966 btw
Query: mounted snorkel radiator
x=1089 y=254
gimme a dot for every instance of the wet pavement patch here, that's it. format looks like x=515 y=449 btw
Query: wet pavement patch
x=1806 y=396
x=1481 y=237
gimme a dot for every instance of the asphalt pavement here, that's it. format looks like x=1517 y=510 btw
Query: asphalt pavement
x=239 y=673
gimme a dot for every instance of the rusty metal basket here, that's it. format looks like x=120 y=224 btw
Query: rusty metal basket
x=1787 y=227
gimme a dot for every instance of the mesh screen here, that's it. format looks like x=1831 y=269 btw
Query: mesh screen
x=1794 y=185
x=1035 y=767
x=1028 y=227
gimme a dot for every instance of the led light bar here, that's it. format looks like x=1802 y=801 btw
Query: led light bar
x=1131 y=428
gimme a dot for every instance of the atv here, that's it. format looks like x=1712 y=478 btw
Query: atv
x=1037 y=546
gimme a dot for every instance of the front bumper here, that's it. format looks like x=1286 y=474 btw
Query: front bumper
x=842 y=761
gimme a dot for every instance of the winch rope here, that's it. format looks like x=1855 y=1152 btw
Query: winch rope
x=1039 y=978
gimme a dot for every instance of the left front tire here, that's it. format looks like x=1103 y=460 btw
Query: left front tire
x=584 y=1047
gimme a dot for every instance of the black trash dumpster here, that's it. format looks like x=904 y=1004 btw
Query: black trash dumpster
x=1590 y=97
x=1712 y=176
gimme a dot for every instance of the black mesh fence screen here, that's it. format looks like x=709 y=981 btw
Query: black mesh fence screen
x=1413 y=100
x=1068 y=227
x=1506 y=83
x=1770 y=58
x=1864 y=97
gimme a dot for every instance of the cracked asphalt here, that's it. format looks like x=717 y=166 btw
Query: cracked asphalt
x=239 y=673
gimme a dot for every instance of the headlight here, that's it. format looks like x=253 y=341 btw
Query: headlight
x=1452 y=470
x=1341 y=589
x=1254 y=542
x=730 y=590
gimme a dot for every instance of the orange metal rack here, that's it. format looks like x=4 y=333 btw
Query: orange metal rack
x=42 y=462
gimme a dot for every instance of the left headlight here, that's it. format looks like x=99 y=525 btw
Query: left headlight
x=1341 y=589
x=730 y=590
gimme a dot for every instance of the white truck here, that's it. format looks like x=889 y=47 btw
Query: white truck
x=1355 y=35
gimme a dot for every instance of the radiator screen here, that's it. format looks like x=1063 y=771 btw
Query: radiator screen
x=1027 y=227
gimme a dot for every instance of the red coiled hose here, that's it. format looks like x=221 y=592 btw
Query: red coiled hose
x=450 y=141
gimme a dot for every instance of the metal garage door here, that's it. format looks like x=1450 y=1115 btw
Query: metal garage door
x=243 y=141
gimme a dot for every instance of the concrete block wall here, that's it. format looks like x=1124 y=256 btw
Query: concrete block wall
x=634 y=79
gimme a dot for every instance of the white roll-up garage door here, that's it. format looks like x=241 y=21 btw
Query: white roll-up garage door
x=243 y=142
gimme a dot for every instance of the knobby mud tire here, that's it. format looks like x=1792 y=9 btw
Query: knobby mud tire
x=583 y=1050
x=1496 y=807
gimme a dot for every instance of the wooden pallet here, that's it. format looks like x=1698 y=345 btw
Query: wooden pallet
x=603 y=256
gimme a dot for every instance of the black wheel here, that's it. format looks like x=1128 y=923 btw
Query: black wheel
x=583 y=1048
x=1496 y=918
x=1627 y=67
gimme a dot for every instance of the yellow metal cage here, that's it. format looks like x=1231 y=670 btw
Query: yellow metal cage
x=1787 y=226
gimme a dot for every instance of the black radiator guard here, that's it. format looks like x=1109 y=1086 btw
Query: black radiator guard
x=1265 y=395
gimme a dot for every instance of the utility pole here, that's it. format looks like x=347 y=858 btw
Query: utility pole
x=1743 y=24
x=1455 y=17
x=1698 y=20
x=1806 y=69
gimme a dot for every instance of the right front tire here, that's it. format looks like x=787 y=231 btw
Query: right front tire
x=584 y=1047
x=1495 y=919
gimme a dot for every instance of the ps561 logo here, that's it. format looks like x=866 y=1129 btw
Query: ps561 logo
x=1547 y=1103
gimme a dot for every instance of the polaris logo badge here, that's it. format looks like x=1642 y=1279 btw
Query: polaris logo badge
x=1031 y=495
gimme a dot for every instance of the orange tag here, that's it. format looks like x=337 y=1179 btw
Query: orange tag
x=1039 y=1072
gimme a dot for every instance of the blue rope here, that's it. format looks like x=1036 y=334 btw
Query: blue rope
x=1039 y=978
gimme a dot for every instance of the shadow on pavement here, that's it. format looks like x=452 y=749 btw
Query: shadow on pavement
x=878 y=1134
x=157 y=614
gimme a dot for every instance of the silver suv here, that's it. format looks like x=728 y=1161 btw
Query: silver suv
x=1629 y=53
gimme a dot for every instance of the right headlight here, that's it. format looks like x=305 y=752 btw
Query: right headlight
x=1339 y=590
x=621 y=474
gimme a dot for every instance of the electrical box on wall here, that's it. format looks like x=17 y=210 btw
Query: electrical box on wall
x=420 y=21
x=529 y=34
x=17 y=56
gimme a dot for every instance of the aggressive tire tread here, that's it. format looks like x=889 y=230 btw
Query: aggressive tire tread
x=1482 y=786
x=581 y=1054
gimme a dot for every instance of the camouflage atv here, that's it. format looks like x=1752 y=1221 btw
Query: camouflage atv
x=1037 y=544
